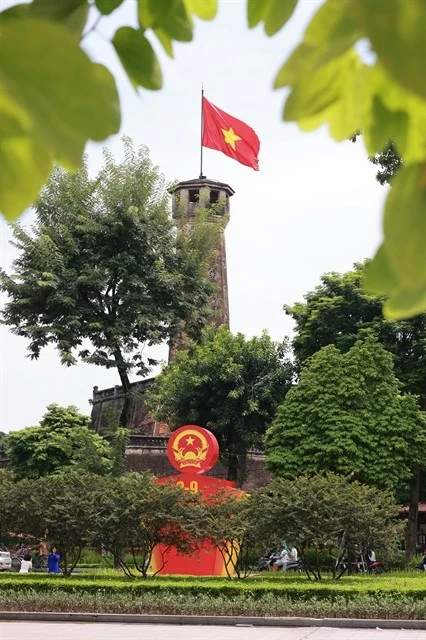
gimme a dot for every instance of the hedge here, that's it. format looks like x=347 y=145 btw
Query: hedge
x=293 y=588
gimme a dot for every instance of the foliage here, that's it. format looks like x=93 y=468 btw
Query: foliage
x=346 y=415
x=227 y=384
x=38 y=132
x=61 y=442
x=398 y=604
x=234 y=523
x=281 y=588
x=63 y=508
x=135 y=512
x=389 y=161
x=340 y=312
x=382 y=96
x=330 y=512
x=104 y=270
x=381 y=93
x=8 y=503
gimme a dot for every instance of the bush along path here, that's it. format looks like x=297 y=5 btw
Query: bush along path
x=388 y=597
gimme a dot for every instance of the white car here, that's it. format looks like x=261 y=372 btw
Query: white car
x=5 y=561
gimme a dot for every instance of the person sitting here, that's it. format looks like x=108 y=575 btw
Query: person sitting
x=422 y=563
x=288 y=554
x=370 y=556
x=26 y=564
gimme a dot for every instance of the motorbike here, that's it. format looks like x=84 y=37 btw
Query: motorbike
x=267 y=562
x=362 y=566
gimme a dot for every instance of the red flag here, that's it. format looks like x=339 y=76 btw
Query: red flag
x=229 y=135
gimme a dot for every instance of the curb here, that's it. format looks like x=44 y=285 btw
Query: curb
x=234 y=621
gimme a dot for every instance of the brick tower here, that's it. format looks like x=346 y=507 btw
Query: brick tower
x=189 y=197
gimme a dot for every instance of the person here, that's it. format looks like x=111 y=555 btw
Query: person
x=422 y=563
x=288 y=554
x=40 y=554
x=22 y=550
x=53 y=561
x=26 y=564
x=370 y=556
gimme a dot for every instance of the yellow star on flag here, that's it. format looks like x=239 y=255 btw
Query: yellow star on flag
x=230 y=137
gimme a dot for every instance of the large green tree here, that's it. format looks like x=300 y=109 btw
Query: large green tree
x=347 y=415
x=104 y=272
x=229 y=385
x=339 y=311
x=61 y=442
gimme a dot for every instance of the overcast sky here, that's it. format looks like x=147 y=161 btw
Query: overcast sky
x=313 y=207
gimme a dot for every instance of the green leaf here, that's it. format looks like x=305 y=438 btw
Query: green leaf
x=405 y=226
x=17 y=11
x=405 y=304
x=323 y=89
x=41 y=83
x=71 y=13
x=23 y=159
x=272 y=12
x=204 y=9
x=399 y=267
x=107 y=6
x=397 y=32
x=138 y=58
x=165 y=41
x=170 y=16
x=332 y=31
x=378 y=274
x=395 y=114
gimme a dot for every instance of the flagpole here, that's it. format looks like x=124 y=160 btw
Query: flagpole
x=201 y=138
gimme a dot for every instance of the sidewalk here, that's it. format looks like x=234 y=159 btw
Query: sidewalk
x=231 y=621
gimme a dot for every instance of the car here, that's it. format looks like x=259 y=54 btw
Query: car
x=5 y=561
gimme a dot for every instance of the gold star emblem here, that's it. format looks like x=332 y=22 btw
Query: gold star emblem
x=189 y=440
x=230 y=137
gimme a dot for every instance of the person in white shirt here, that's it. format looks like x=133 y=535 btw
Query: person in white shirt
x=26 y=564
x=288 y=554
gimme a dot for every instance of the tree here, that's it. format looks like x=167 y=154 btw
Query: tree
x=346 y=415
x=62 y=441
x=105 y=271
x=330 y=512
x=389 y=161
x=135 y=512
x=328 y=80
x=235 y=524
x=65 y=506
x=227 y=384
x=339 y=312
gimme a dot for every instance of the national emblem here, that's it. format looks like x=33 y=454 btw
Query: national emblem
x=191 y=447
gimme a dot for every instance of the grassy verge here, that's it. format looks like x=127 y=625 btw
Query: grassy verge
x=391 y=596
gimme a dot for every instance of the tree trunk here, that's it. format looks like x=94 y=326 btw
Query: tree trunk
x=125 y=383
x=413 y=515
x=237 y=468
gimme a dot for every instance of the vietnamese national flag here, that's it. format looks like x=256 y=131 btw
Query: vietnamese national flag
x=229 y=135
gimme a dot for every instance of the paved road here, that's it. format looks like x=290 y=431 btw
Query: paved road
x=95 y=631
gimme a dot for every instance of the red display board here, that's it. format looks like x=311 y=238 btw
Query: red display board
x=193 y=450
x=208 y=561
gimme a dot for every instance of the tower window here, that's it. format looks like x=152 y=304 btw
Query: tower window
x=194 y=195
x=214 y=196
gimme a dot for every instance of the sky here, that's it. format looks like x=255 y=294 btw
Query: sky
x=313 y=207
